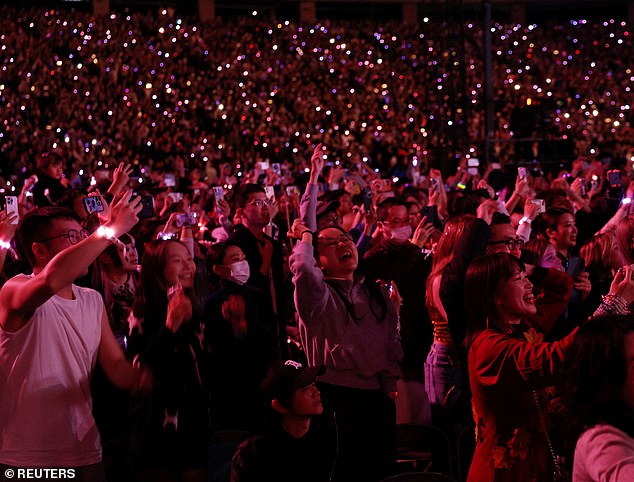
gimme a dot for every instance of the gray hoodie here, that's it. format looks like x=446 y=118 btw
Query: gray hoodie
x=361 y=353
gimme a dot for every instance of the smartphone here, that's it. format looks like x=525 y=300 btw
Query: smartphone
x=521 y=173
x=219 y=194
x=147 y=203
x=472 y=166
x=576 y=267
x=170 y=179
x=292 y=191
x=416 y=177
x=175 y=196
x=431 y=212
x=11 y=205
x=366 y=196
x=434 y=183
x=270 y=191
x=276 y=168
x=186 y=219
x=541 y=203
x=614 y=178
x=94 y=204
x=264 y=165
x=167 y=236
x=136 y=171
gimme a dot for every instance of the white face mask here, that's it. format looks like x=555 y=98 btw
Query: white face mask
x=401 y=234
x=240 y=272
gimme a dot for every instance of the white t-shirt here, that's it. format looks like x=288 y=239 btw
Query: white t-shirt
x=45 y=369
x=604 y=454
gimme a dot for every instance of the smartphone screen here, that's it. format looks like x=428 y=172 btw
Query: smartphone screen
x=93 y=204
x=170 y=179
x=219 y=193
x=292 y=191
x=12 y=208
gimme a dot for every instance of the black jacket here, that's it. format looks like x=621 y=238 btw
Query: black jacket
x=277 y=456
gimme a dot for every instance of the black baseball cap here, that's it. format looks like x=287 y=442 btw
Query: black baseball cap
x=324 y=207
x=284 y=377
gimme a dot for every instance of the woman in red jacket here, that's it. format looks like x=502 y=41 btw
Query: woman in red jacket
x=509 y=366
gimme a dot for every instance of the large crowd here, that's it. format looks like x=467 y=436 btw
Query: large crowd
x=161 y=90
x=286 y=229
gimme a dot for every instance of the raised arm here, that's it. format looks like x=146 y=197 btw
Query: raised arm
x=311 y=293
x=308 y=204
x=120 y=178
x=24 y=294
x=494 y=355
x=118 y=370
x=7 y=230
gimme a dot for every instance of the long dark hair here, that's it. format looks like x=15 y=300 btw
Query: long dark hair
x=485 y=276
x=595 y=373
x=372 y=289
x=150 y=299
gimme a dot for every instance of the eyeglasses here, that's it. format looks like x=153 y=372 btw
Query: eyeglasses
x=74 y=236
x=395 y=223
x=330 y=242
x=510 y=243
x=260 y=203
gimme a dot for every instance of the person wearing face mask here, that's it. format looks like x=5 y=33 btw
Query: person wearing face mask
x=396 y=258
x=239 y=340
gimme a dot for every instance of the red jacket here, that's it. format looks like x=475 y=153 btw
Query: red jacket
x=503 y=372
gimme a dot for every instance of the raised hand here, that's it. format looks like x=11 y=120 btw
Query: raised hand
x=7 y=228
x=120 y=178
x=297 y=229
x=623 y=284
x=486 y=210
x=317 y=162
x=179 y=310
x=422 y=233
x=123 y=213
x=583 y=285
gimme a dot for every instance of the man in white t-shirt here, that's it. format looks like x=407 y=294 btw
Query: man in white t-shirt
x=51 y=335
